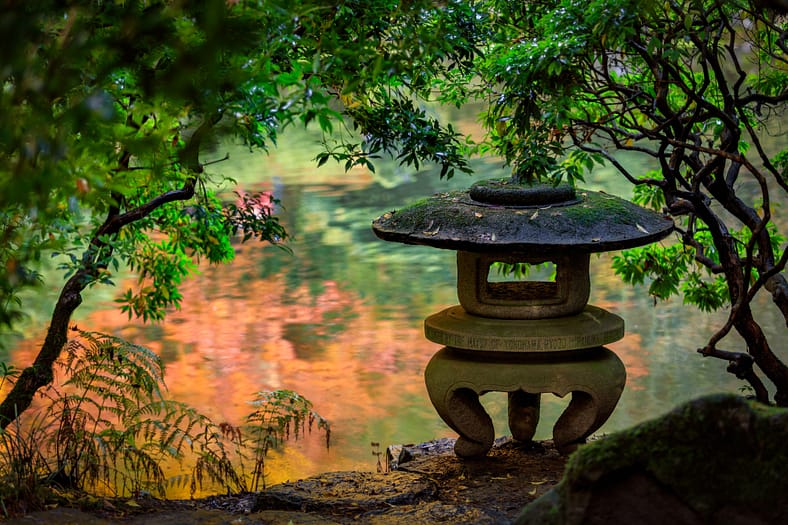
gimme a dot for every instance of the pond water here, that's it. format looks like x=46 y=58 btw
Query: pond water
x=340 y=319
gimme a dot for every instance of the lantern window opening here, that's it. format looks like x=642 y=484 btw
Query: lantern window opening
x=502 y=271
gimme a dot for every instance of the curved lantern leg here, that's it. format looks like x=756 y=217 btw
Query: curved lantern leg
x=467 y=417
x=455 y=379
x=458 y=405
x=587 y=411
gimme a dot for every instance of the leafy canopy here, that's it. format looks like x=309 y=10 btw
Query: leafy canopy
x=110 y=109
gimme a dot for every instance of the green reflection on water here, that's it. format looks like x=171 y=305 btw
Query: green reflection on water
x=329 y=213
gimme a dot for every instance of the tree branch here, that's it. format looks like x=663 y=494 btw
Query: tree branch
x=740 y=365
x=41 y=372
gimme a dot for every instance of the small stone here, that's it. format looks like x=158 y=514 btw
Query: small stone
x=333 y=490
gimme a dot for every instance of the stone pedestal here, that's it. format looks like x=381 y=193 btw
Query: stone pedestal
x=524 y=358
x=590 y=328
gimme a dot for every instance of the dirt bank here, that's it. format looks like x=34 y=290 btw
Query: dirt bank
x=430 y=485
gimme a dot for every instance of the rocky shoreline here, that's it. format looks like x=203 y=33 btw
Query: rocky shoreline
x=429 y=485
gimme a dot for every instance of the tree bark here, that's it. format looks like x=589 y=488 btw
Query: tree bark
x=41 y=372
x=758 y=347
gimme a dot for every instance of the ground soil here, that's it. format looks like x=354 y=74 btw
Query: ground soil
x=430 y=485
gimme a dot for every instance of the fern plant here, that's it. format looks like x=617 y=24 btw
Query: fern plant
x=108 y=429
x=277 y=416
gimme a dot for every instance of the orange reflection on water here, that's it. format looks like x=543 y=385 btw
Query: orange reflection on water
x=238 y=334
x=229 y=342
x=629 y=349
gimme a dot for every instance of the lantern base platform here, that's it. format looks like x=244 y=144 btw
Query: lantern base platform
x=455 y=379
x=456 y=328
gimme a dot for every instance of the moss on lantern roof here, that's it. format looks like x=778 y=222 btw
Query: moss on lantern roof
x=589 y=221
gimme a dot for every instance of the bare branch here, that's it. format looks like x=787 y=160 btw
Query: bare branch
x=740 y=364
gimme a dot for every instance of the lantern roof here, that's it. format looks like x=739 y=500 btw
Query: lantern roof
x=497 y=215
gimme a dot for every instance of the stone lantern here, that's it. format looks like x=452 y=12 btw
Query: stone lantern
x=523 y=337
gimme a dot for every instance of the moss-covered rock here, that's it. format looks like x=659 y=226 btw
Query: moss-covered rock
x=717 y=459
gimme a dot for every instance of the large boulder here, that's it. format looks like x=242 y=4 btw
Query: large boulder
x=715 y=460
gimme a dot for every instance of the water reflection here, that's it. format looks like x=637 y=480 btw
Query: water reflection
x=340 y=321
